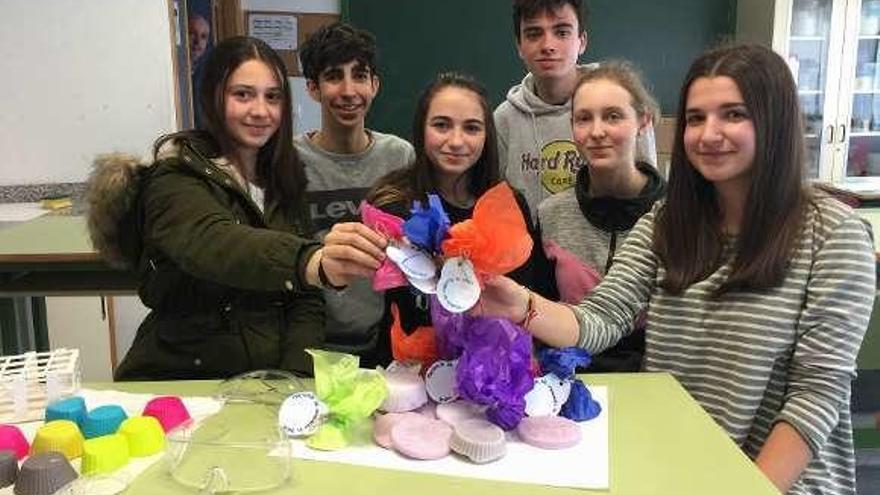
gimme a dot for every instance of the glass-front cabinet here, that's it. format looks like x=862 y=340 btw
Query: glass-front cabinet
x=833 y=50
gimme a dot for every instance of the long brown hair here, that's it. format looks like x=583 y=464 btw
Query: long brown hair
x=418 y=180
x=279 y=169
x=688 y=235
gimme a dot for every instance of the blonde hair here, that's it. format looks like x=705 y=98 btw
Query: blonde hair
x=625 y=75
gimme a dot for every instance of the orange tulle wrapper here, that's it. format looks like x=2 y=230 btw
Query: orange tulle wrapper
x=418 y=346
x=495 y=239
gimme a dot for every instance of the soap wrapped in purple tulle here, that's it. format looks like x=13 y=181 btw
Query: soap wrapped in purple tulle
x=494 y=369
x=427 y=226
x=450 y=330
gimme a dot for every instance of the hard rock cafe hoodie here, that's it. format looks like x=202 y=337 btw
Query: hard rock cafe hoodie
x=535 y=147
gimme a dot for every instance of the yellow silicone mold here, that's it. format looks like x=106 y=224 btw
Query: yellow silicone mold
x=144 y=435
x=58 y=436
x=105 y=454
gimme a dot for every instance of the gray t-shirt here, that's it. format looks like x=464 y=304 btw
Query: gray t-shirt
x=337 y=185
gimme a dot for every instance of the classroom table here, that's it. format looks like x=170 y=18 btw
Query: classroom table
x=52 y=255
x=661 y=442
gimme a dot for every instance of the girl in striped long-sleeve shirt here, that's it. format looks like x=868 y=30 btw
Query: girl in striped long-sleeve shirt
x=758 y=288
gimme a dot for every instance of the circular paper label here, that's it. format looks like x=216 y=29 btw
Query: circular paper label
x=541 y=401
x=301 y=414
x=440 y=381
x=458 y=289
x=413 y=262
x=561 y=389
x=426 y=286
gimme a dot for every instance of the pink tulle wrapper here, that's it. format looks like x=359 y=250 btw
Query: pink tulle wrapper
x=388 y=276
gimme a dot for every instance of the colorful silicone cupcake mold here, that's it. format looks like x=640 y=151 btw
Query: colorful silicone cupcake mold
x=104 y=454
x=103 y=420
x=71 y=409
x=11 y=438
x=8 y=468
x=58 y=436
x=169 y=410
x=144 y=435
x=44 y=474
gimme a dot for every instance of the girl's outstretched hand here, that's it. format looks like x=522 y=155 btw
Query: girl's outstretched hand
x=502 y=298
x=351 y=250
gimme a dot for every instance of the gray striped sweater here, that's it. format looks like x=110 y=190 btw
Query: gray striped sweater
x=752 y=359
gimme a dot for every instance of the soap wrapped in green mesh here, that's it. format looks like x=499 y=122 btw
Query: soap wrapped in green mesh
x=350 y=393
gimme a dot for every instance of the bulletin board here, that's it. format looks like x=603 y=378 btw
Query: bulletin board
x=285 y=32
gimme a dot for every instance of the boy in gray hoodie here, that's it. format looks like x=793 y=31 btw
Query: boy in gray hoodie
x=535 y=143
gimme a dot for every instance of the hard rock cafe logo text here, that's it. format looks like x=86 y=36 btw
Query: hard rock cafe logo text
x=557 y=165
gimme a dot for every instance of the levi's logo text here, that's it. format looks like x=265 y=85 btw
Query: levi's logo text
x=328 y=208
x=556 y=167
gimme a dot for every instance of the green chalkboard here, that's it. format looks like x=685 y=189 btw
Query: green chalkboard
x=419 y=38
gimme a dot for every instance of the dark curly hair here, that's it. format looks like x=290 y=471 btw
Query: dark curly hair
x=337 y=44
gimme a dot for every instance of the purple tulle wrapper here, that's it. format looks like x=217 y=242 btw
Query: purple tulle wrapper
x=427 y=226
x=450 y=330
x=507 y=416
x=563 y=362
x=494 y=369
x=580 y=405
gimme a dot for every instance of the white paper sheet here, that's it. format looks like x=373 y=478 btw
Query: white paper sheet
x=582 y=466
x=20 y=212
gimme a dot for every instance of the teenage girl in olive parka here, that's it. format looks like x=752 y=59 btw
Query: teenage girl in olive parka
x=214 y=228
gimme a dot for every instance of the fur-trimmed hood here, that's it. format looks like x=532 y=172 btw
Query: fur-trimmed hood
x=112 y=197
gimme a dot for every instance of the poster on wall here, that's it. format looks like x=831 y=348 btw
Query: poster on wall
x=278 y=30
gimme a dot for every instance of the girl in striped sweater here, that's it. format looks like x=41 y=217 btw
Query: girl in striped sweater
x=758 y=288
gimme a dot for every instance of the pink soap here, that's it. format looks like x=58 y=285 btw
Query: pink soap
x=429 y=410
x=453 y=413
x=421 y=438
x=169 y=410
x=406 y=392
x=549 y=432
x=384 y=423
x=11 y=438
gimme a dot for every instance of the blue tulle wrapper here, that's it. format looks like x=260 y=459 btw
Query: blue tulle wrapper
x=563 y=363
x=580 y=405
x=427 y=226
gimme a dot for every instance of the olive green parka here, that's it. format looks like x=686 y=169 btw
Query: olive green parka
x=224 y=281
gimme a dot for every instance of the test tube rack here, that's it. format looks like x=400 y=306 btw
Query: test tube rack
x=29 y=381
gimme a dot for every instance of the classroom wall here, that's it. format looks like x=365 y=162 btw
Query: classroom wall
x=418 y=39
x=81 y=78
